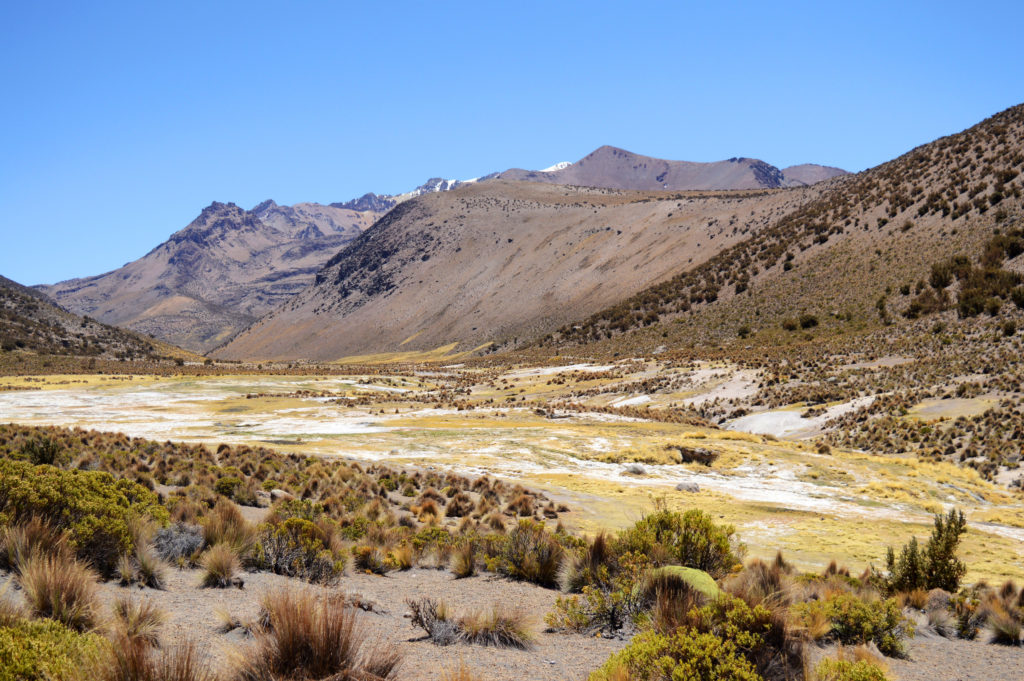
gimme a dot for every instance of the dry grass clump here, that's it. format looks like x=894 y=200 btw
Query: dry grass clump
x=138 y=620
x=225 y=525
x=220 y=565
x=499 y=625
x=136 y=659
x=461 y=672
x=463 y=563
x=60 y=589
x=35 y=535
x=310 y=637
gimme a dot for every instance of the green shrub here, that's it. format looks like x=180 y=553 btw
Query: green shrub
x=44 y=650
x=934 y=567
x=609 y=602
x=94 y=507
x=848 y=670
x=531 y=554
x=855 y=621
x=690 y=539
x=686 y=655
x=227 y=486
x=297 y=547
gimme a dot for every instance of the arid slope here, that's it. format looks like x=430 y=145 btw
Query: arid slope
x=499 y=260
x=226 y=269
x=30 y=322
x=857 y=256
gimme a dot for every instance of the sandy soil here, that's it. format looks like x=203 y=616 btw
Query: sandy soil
x=193 y=611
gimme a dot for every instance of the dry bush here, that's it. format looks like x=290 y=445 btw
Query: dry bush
x=225 y=525
x=460 y=505
x=522 y=506
x=60 y=589
x=462 y=672
x=463 y=563
x=401 y=557
x=310 y=637
x=220 y=565
x=582 y=568
x=499 y=626
x=35 y=535
x=136 y=660
x=138 y=620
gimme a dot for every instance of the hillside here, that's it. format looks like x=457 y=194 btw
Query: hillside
x=615 y=168
x=498 y=260
x=858 y=256
x=29 y=322
x=218 y=274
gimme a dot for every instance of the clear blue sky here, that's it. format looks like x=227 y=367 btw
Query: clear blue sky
x=121 y=121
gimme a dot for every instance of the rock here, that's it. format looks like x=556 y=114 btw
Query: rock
x=635 y=469
x=688 y=487
x=277 y=494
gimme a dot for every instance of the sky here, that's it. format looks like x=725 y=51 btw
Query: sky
x=121 y=121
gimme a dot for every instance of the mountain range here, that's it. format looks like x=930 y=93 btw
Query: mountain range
x=231 y=266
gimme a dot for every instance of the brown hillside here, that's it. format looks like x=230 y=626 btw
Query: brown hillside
x=226 y=269
x=29 y=322
x=500 y=260
x=857 y=256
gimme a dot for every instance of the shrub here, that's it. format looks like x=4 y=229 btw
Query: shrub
x=44 y=651
x=178 y=543
x=609 y=603
x=312 y=637
x=227 y=486
x=689 y=539
x=848 y=670
x=370 y=559
x=531 y=554
x=808 y=321
x=93 y=507
x=44 y=450
x=219 y=564
x=856 y=621
x=684 y=654
x=61 y=590
x=934 y=567
x=298 y=548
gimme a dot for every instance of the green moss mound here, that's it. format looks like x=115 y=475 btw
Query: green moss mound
x=698 y=579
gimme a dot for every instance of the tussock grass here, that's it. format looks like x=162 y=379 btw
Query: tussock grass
x=499 y=625
x=310 y=637
x=463 y=563
x=220 y=565
x=60 y=589
x=460 y=672
x=138 y=620
x=134 y=659
x=20 y=541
